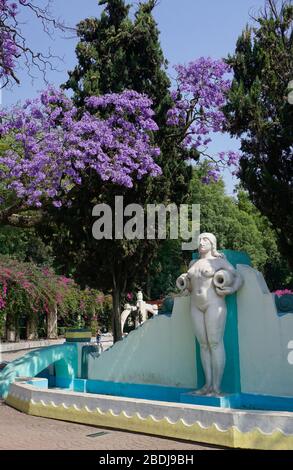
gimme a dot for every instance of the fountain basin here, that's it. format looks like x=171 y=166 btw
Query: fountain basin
x=224 y=426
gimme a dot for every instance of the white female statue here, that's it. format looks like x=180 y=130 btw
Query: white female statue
x=209 y=280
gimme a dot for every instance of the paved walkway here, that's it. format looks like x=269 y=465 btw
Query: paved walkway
x=12 y=355
x=29 y=344
x=11 y=351
x=19 y=431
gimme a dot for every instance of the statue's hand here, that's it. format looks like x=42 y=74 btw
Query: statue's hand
x=185 y=292
x=225 y=291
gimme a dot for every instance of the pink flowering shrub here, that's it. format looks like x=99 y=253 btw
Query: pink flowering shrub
x=26 y=289
x=280 y=292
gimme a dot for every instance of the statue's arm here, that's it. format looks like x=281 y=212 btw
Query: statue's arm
x=183 y=284
x=235 y=285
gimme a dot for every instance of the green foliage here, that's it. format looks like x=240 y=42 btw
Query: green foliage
x=165 y=268
x=260 y=114
x=24 y=245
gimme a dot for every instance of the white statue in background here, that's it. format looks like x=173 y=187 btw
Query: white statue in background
x=142 y=310
x=209 y=279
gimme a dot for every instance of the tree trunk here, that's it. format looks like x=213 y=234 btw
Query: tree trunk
x=116 y=317
x=10 y=327
x=52 y=330
x=148 y=285
x=31 y=328
x=10 y=334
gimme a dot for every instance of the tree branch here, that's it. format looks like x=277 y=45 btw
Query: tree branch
x=10 y=26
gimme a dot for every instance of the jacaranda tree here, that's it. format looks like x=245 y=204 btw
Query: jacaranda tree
x=201 y=91
x=51 y=146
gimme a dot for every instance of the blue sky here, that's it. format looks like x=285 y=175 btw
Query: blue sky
x=189 y=29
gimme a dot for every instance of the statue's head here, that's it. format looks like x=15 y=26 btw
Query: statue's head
x=207 y=242
x=139 y=295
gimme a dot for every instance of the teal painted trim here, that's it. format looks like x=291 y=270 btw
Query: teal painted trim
x=199 y=368
x=130 y=390
x=63 y=356
x=265 y=402
x=231 y=379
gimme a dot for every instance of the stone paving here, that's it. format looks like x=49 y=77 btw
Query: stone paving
x=19 y=431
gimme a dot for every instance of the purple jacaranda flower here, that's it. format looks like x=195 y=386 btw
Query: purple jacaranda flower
x=54 y=146
x=202 y=86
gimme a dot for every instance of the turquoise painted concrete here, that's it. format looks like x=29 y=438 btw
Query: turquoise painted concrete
x=42 y=383
x=227 y=401
x=79 y=385
x=86 y=351
x=48 y=374
x=252 y=401
x=63 y=356
x=132 y=390
x=246 y=401
x=182 y=395
x=64 y=382
x=231 y=378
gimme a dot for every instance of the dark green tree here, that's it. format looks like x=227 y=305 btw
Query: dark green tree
x=260 y=114
x=23 y=244
x=116 y=53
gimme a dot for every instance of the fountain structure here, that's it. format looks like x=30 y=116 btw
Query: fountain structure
x=149 y=381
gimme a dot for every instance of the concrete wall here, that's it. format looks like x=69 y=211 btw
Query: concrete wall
x=263 y=339
x=161 y=351
x=63 y=356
